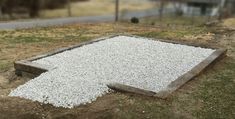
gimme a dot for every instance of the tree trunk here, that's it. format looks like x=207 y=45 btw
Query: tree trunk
x=0 y=12
x=69 y=8
x=117 y=10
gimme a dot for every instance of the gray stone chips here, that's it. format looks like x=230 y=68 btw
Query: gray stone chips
x=81 y=74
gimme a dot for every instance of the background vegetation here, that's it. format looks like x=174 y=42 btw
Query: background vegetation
x=32 y=7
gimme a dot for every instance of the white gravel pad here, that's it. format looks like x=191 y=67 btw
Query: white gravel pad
x=81 y=74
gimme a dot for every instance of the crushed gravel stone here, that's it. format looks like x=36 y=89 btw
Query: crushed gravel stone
x=81 y=74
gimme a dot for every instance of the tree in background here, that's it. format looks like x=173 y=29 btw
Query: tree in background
x=116 y=10
x=162 y=5
x=10 y=6
x=1 y=4
x=32 y=7
x=69 y=8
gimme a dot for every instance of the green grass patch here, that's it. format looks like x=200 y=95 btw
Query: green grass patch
x=174 y=27
x=170 y=20
x=41 y=35
x=217 y=93
x=175 y=33
x=5 y=65
x=27 y=39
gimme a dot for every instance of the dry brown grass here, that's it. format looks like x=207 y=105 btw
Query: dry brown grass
x=229 y=23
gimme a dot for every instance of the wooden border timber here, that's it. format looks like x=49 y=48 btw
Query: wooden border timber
x=36 y=69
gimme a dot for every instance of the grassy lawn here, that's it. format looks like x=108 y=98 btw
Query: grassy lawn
x=209 y=96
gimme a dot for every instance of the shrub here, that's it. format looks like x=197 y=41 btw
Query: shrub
x=134 y=20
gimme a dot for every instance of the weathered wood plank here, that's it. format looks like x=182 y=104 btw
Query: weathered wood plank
x=129 y=89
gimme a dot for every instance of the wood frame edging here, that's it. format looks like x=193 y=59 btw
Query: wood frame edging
x=34 y=68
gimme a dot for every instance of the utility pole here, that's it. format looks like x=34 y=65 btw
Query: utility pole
x=69 y=8
x=161 y=9
x=221 y=8
x=209 y=15
x=116 y=10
